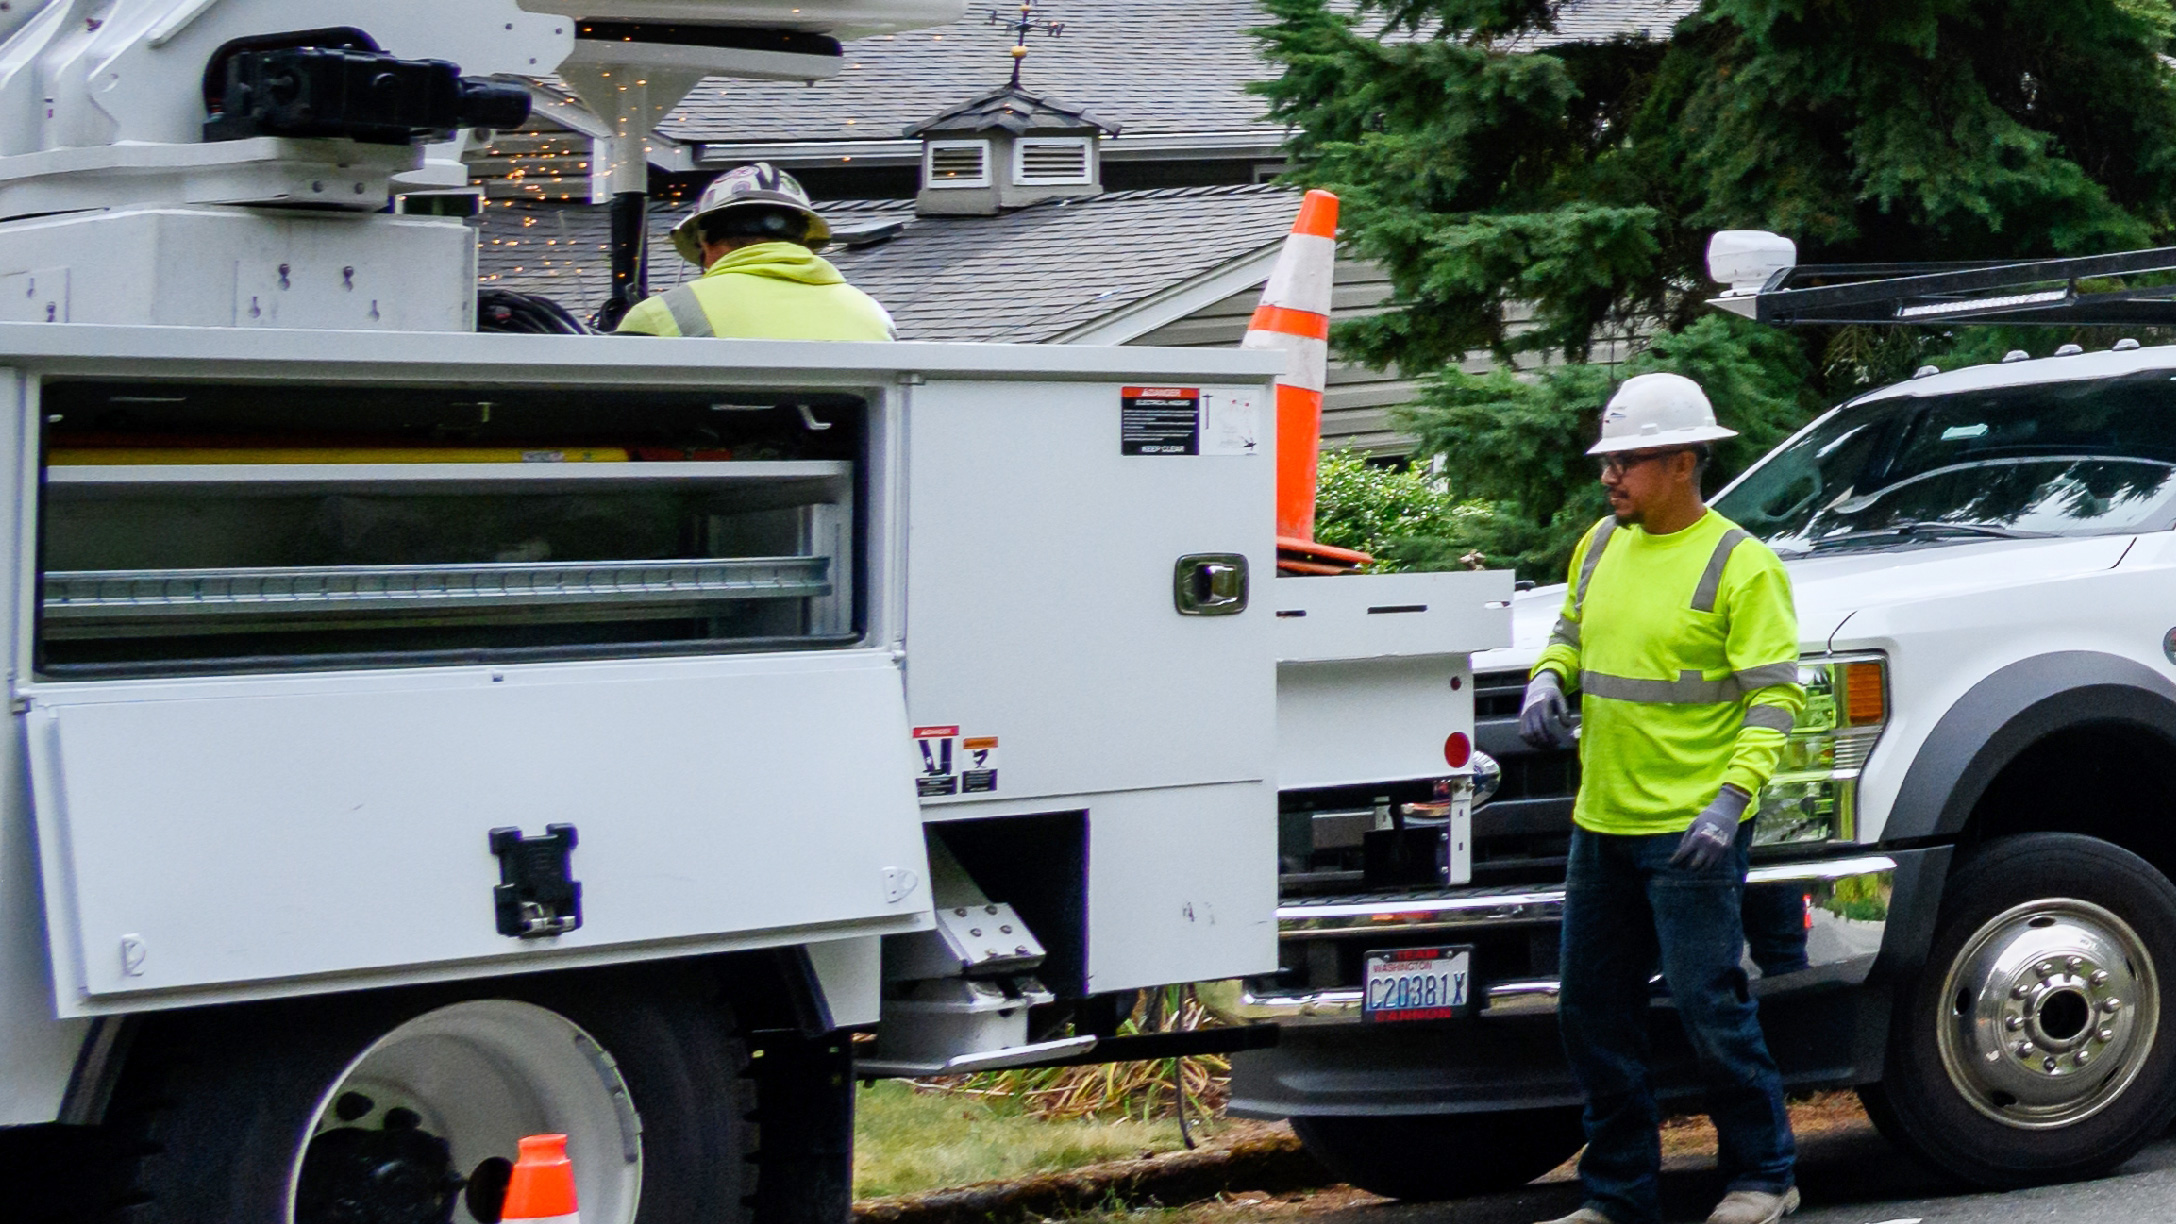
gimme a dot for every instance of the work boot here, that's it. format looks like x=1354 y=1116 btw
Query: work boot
x=1585 y=1215
x=1754 y=1207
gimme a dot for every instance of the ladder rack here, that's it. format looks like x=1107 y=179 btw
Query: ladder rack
x=2040 y=292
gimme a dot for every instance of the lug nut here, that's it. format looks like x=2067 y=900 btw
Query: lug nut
x=2048 y=1063
x=2024 y=1049
x=2111 y=1006
x=2013 y=1023
x=2081 y=1056
x=2047 y=968
x=2098 y=979
x=2106 y=1034
x=2020 y=990
x=2075 y=964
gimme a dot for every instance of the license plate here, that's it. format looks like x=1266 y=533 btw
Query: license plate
x=1417 y=984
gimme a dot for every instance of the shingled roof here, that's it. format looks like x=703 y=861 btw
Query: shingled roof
x=1149 y=66
x=1013 y=109
x=1152 y=67
x=1028 y=275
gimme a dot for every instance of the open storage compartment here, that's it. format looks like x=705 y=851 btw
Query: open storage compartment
x=190 y=528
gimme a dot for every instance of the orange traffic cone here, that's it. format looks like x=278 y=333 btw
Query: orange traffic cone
x=542 y=1189
x=1295 y=316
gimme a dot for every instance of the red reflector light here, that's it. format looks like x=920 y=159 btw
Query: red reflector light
x=1457 y=750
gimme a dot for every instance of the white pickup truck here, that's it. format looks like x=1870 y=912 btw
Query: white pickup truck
x=1960 y=900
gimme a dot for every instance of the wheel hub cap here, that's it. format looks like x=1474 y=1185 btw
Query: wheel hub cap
x=2049 y=1012
x=421 y=1127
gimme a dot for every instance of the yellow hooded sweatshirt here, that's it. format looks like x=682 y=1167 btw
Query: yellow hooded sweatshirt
x=767 y=291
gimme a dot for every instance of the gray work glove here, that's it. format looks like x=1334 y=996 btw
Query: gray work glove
x=1545 y=718
x=1712 y=831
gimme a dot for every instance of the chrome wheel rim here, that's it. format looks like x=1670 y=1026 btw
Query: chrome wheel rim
x=2048 y=1013
x=434 y=1110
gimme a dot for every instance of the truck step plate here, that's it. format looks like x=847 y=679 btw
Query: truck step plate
x=1418 y=984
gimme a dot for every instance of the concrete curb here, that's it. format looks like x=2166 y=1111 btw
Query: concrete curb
x=1271 y=1162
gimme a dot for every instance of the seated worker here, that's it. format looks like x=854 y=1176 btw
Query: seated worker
x=755 y=235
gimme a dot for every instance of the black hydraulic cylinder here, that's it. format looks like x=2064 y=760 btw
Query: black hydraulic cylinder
x=630 y=258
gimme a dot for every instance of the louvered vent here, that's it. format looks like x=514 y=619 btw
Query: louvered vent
x=959 y=163
x=1052 y=161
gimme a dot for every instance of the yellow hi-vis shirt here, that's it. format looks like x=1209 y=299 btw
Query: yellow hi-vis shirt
x=765 y=291
x=1685 y=647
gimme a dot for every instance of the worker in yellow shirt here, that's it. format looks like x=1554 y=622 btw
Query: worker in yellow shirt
x=1679 y=633
x=755 y=235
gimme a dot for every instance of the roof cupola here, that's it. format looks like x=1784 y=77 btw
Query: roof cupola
x=1009 y=148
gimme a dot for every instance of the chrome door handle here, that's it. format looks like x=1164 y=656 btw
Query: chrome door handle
x=1210 y=584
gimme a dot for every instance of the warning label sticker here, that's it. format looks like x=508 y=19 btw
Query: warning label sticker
x=939 y=761
x=978 y=774
x=1159 y=421
x=1231 y=422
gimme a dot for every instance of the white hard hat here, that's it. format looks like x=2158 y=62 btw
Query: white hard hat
x=1658 y=410
x=758 y=184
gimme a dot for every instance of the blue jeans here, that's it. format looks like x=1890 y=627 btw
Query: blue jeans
x=1626 y=911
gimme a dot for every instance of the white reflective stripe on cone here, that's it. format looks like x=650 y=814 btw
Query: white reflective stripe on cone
x=1304 y=274
x=1307 y=360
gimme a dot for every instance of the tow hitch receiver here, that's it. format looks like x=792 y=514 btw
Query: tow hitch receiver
x=537 y=894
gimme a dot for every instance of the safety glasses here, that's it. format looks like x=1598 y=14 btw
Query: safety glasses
x=1624 y=461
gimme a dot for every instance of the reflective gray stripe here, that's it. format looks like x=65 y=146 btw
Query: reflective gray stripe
x=1687 y=689
x=1566 y=633
x=1690 y=688
x=1592 y=559
x=687 y=311
x=1711 y=579
x=1774 y=718
x=1767 y=674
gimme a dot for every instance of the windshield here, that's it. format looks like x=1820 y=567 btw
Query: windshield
x=2075 y=458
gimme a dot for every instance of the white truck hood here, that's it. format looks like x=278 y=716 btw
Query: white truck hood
x=1830 y=589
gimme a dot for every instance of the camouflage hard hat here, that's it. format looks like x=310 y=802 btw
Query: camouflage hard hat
x=758 y=184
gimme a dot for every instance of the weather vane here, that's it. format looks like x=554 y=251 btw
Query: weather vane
x=1022 y=26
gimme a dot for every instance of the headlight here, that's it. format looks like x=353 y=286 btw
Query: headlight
x=1813 y=794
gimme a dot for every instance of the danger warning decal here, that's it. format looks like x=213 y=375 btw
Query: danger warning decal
x=953 y=764
x=940 y=755
x=1189 y=421
x=1159 y=421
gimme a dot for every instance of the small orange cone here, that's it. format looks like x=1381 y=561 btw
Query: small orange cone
x=1295 y=316
x=542 y=1189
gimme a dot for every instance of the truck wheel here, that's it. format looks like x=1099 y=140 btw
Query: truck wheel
x=406 y=1109
x=1427 y=1157
x=2030 y=1048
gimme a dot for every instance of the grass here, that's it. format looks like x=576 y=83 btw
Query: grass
x=906 y=1140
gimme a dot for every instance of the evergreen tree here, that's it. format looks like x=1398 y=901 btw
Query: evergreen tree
x=1543 y=201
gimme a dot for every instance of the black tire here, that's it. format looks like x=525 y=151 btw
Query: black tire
x=2095 y=1115
x=214 y=1105
x=1430 y=1157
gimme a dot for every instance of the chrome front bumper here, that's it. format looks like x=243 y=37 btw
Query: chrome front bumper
x=1845 y=904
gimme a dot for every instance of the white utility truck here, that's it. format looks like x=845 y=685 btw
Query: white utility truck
x=423 y=738
x=1960 y=900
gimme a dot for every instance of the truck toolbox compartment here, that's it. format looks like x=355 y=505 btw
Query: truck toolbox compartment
x=198 y=836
